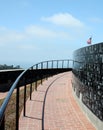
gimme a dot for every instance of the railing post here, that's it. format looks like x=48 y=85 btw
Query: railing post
x=31 y=85
x=41 y=73
x=57 y=64
x=52 y=64
x=47 y=68
x=30 y=91
x=17 y=108
x=62 y=64
x=41 y=65
x=36 y=82
x=2 y=125
x=68 y=64
x=24 y=100
x=36 y=78
x=47 y=65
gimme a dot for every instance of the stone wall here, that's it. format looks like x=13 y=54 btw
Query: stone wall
x=88 y=77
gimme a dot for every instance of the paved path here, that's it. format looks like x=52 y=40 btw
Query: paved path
x=53 y=107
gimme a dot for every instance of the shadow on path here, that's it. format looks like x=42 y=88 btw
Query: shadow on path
x=45 y=100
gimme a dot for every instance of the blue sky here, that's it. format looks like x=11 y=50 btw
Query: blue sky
x=32 y=31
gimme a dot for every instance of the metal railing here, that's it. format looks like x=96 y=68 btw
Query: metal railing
x=33 y=74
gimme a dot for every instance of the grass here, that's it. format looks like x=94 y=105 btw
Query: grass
x=10 y=113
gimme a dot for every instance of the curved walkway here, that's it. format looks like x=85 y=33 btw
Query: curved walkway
x=53 y=107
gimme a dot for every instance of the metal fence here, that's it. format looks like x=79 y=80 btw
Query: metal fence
x=31 y=75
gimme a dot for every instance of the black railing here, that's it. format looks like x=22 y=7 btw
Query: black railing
x=31 y=75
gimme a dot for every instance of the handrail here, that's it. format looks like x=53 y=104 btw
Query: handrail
x=41 y=65
x=5 y=103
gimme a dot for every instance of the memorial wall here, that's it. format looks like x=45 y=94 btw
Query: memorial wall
x=88 y=77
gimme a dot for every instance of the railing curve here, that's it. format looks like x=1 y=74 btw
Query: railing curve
x=30 y=75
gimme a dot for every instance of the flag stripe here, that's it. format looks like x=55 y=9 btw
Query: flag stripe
x=89 y=41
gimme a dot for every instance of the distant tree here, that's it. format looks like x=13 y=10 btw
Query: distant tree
x=3 y=67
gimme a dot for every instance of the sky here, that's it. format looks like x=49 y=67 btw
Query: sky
x=32 y=31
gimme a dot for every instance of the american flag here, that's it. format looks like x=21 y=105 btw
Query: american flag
x=89 y=41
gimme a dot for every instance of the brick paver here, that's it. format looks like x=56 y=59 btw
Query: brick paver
x=53 y=107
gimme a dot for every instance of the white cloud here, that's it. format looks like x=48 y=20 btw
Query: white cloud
x=39 y=31
x=64 y=19
x=29 y=33
x=7 y=35
x=32 y=32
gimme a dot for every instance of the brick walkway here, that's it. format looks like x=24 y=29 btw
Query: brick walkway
x=53 y=107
